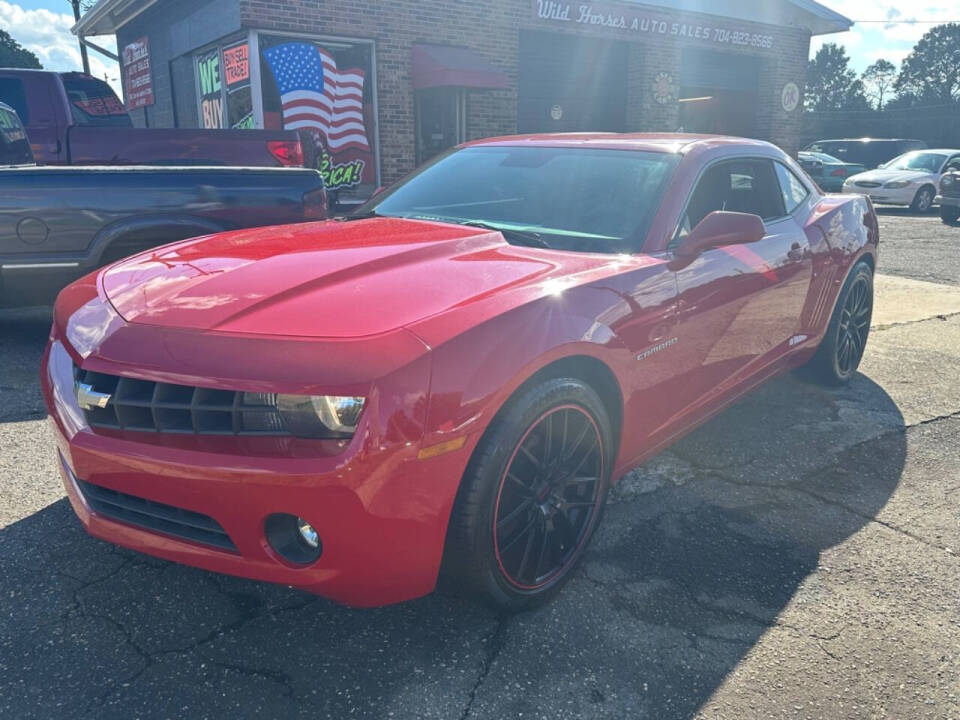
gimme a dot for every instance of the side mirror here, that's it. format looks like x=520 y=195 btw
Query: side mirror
x=721 y=228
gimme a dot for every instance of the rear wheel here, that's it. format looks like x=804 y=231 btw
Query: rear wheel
x=532 y=496
x=841 y=349
x=923 y=200
x=950 y=214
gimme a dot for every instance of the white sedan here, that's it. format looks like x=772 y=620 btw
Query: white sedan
x=911 y=179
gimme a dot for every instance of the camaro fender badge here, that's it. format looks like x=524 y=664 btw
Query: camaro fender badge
x=657 y=348
x=88 y=398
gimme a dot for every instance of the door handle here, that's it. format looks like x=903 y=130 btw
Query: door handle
x=796 y=253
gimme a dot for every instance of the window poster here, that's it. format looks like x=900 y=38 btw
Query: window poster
x=210 y=88
x=324 y=90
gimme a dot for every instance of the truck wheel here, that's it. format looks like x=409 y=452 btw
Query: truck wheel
x=923 y=200
x=949 y=214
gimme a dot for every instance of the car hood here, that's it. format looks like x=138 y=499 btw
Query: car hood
x=329 y=279
x=885 y=176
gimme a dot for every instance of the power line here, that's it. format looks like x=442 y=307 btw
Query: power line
x=906 y=22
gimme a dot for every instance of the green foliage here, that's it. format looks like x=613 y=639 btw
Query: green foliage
x=879 y=79
x=832 y=84
x=12 y=54
x=931 y=71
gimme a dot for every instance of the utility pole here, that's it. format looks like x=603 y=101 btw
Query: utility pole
x=83 y=48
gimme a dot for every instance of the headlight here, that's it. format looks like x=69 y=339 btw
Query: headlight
x=307 y=416
x=947 y=180
x=323 y=416
x=897 y=184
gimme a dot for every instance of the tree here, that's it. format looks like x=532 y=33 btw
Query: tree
x=13 y=54
x=831 y=82
x=879 y=79
x=932 y=69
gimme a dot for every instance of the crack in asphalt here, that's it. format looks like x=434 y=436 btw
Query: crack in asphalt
x=148 y=659
x=941 y=317
x=495 y=643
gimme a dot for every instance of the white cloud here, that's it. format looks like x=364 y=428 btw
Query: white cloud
x=47 y=35
x=869 y=41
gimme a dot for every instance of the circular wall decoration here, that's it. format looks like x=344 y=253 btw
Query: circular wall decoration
x=663 y=88
x=790 y=97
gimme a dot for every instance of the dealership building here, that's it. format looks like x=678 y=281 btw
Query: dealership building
x=382 y=85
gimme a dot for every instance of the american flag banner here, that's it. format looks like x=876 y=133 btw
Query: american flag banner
x=314 y=93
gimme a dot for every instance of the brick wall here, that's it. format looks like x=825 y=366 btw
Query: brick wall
x=492 y=28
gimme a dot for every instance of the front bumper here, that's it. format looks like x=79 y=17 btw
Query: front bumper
x=885 y=196
x=947 y=200
x=380 y=511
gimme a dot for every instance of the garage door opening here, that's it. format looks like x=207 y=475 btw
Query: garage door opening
x=718 y=93
x=571 y=84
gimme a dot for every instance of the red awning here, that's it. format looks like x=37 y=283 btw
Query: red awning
x=453 y=66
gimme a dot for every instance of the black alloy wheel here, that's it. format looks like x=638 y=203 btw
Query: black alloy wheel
x=950 y=214
x=843 y=345
x=548 y=497
x=854 y=325
x=532 y=495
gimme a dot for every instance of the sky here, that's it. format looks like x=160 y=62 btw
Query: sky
x=43 y=26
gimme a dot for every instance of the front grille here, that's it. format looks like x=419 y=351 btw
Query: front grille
x=155 y=516
x=866 y=184
x=148 y=406
x=951 y=186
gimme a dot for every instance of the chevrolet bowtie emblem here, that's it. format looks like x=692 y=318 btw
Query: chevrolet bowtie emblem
x=88 y=398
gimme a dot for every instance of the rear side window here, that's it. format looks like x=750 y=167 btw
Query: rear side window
x=14 y=147
x=792 y=189
x=93 y=103
x=13 y=94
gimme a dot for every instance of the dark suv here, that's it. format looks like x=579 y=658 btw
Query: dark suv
x=949 y=197
x=869 y=152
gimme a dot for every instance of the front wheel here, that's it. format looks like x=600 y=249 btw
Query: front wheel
x=531 y=497
x=950 y=214
x=841 y=349
x=923 y=200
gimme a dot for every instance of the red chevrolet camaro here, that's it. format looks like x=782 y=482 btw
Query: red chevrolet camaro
x=445 y=384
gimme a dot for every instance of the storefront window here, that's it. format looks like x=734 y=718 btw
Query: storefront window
x=325 y=89
x=223 y=87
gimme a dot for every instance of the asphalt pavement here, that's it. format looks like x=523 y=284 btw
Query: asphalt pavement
x=794 y=558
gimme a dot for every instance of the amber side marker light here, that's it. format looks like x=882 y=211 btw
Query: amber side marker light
x=444 y=447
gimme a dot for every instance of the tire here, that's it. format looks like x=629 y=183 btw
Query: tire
x=523 y=495
x=923 y=201
x=842 y=348
x=950 y=214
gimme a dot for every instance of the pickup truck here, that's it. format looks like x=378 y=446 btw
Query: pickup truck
x=59 y=223
x=949 y=197
x=76 y=119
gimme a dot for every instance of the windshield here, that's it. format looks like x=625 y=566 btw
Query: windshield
x=580 y=199
x=923 y=161
x=93 y=102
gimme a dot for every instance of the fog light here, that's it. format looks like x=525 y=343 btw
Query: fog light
x=308 y=534
x=293 y=539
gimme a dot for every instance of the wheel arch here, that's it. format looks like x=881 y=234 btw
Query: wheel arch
x=130 y=234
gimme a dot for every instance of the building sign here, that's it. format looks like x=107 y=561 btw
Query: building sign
x=790 y=97
x=324 y=94
x=210 y=88
x=664 y=89
x=137 y=74
x=642 y=21
x=236 y=74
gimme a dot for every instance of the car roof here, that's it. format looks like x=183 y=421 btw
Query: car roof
x=649 y=142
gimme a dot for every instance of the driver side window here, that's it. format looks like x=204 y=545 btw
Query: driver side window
x=746 y=186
